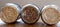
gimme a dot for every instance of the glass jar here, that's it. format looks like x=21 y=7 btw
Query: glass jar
x=30 y=14
x=50 y=14
x=10 y=12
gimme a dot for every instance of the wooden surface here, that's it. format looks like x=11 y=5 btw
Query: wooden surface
x=38 y=3
x=19 y=23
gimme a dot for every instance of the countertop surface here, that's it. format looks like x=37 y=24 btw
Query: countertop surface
x=38 y=3
x=20 y=23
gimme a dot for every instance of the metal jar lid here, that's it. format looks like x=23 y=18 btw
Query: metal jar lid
x=50 y=14
x=27 y=10
x=10 y=12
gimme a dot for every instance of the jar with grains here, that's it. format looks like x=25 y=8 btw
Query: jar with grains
x=50 y=14
x=10 y=12
x=30 y=14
